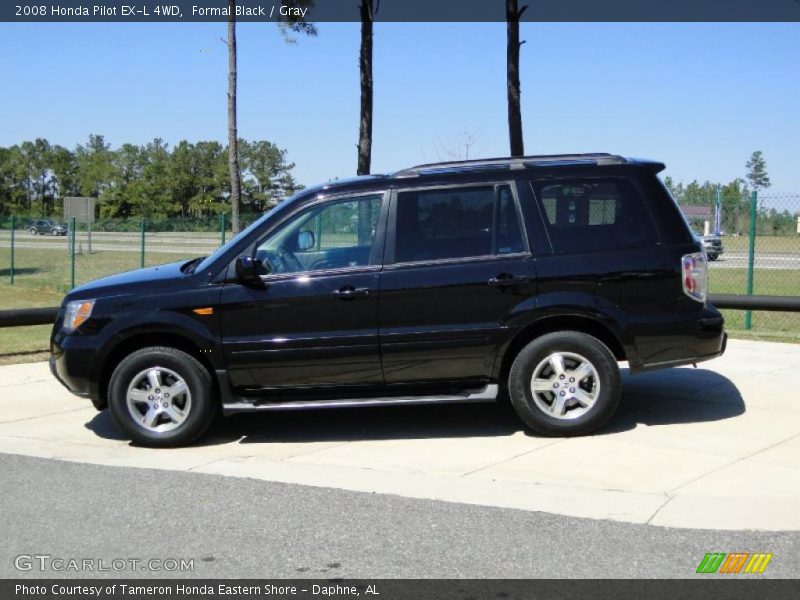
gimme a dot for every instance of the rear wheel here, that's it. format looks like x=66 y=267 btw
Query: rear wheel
x=712 y=256
x=161 y=397
x=565 y=383
x=33 y=230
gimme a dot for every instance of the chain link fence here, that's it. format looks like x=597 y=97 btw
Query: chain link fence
x=760 y=237
x=43 y=258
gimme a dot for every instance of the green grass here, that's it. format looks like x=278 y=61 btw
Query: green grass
x=51 y=269
x=777 y=282
x=764 y=243
x=24 y=344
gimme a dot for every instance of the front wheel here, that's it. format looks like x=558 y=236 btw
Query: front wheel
x=33 y=231
x=565 y=383
x=162 y=397
x=712 y=256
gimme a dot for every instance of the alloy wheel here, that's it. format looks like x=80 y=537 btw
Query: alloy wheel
x=158 y=399
x=565 y=385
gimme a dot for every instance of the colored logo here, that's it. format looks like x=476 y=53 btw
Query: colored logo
x=735 y=562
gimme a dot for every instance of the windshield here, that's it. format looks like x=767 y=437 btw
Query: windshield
x=209 y=260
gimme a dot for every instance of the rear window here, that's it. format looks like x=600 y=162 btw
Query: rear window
x=588 y=215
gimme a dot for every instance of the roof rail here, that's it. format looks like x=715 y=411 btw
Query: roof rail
x=520 y=162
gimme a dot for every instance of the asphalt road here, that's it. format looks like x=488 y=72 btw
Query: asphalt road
x=188 y=244
x=245 y=528
x=763 y=260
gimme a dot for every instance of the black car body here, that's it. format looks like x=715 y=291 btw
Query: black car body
x=46 y=227
x=443 y=282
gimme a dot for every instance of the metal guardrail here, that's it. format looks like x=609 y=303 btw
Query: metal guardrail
x=744 y=302
x=45 y=316
x=18 y=317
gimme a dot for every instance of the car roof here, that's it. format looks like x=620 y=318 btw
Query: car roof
x=455 y=169
x=525 y=162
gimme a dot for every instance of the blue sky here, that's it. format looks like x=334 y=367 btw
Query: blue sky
x=700 y=97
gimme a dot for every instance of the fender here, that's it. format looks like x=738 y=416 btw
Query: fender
x=202 y=332
x=587 y=309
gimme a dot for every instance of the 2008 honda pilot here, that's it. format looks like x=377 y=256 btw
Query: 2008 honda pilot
x=450 y=282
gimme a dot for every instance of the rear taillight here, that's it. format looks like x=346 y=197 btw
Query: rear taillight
x=695 y=276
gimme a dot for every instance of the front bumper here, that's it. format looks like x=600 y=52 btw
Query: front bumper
x=79 y=387
x=70 y=363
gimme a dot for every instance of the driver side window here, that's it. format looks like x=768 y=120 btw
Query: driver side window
x=332 y=235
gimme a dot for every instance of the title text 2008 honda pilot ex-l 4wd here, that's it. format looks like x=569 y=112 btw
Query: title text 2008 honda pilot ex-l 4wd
x=451 y=282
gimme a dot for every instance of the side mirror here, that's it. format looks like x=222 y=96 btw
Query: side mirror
x=248 y=268
x=305 y=240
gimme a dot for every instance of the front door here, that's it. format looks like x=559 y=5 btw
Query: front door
x=457 y=265
x=312 y=320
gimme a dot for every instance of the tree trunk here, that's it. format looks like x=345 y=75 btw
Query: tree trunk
x=365 y=65
x=233 y=134
x=512 y=78
x=44 y=201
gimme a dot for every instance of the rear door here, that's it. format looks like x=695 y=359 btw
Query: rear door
x=602 y=234
x=457 y=263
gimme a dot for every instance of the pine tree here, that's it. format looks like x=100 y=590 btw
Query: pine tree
x=757 y=171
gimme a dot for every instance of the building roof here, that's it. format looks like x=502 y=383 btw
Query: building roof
x=696 y=211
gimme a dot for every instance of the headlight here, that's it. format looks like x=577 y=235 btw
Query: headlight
x=78 y=311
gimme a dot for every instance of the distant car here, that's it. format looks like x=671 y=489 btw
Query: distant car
x=46 y=226
x=713 y=246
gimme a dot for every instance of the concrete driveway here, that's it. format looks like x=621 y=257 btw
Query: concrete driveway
x=715 y=447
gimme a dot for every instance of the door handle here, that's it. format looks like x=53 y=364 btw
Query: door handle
x=348 y=292
x=507 y=279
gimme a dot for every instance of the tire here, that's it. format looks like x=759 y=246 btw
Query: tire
x=558 y=408
x=156 y=419
x=33 y=231
x=712 y=256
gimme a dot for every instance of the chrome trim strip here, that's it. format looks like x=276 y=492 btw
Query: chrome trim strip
x=486 y=394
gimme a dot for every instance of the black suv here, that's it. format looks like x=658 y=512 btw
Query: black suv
x=453 y=282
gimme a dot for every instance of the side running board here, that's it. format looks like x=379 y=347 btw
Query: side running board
x=485 y=394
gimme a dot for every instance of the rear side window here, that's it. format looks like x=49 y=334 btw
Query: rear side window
x=587 y=215
x=447 y=223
